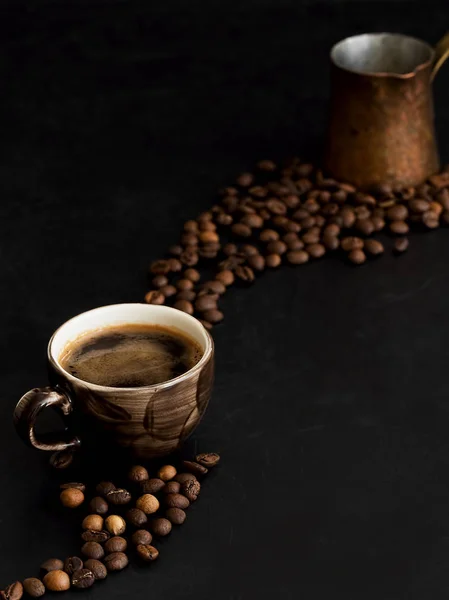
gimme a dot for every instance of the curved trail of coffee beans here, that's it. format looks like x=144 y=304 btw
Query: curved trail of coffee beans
x=290 y=214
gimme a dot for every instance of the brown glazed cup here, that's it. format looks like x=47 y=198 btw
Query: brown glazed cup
x=150 y=421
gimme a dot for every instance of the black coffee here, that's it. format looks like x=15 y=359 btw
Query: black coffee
x=130 y=355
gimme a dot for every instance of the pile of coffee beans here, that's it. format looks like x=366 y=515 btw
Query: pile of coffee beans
x=147 y=513
x=289 y=214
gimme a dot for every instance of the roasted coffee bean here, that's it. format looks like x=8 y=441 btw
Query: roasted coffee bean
x=93 y=522
x=52 y=564
x=171 y=487
x=73 y=485
x=252 y=220
x=148 y=503
x=378 y=222
x=147 y=553
x=166 y=472
x=176 y=501
x=115 y=524
x=206 y=324
x=141 y=536
x=208 y=459
x=362 y=213
x=436 y=208
x=95 y=536
x=184 y=306
x=443 y=198
x=191 y=490
x=57 y=581
x=226 y=277
x=72 y=564
x=138 y=473
x=72 y=498
x=256 y=262
x=373 y=247
x=297 y=257
x=209 y=237
x=277 y=247
x=118 y=497
x=312 y=236
x=192 y=274
x=97 y=568
x=176 y=516
x=188 y=295
x=136 y=517
x=258 y=191
x=399 y=227
x=189 y=257
x=182 y=477
x=207 y=302
x=241 y=230
x=175 y=250
x=160 y=267
x=400 y=245
x=62 y=459
x=116 y=561
x=397 y=213
x=154 y=297
x=273 y=260
x=245 y=274
x=295 y=245
x=348 y=217
x=104 y=487
x=357 y=256
x=161 y=527
x=316 y=250
x=331 y=242
x=331 y=230
x=83 y=579
x=248 y=250
x=245 y=179
x=364 y=226
x=224 y=219
x=98 y=505
x=266 y=165
x=268 y=235
x=214 y=286
x=116 y=544
x=189 y=239
x=184 y=284
x=152 y=486
x=430 y=219
x=175 y=265
x=34 y=587
x=213 y=316
x=230 y=249
x=92 y=550
x=351 y=243
x=159 y=281
x=14 y=591
x=191 y=226
x=419 y=205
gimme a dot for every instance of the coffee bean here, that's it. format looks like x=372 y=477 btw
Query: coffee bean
x=95 y=536
x=116 y=561
x=118 y=497
x=115 y=525
x=214 y=286
x=188 y=295
x=331 y=242
x=14 y=591
x=258 y=191
x=168 y=291
x=430 y=219
x=148 y=503
x=226 y=277
x=34 y=587
x=62 y=459
x=52 y=564
x=166 y=472
x=266 y=165
x=159 y=281
x=175 y=250
x=230 y=249
x=97 y=568
x=207 y=302
x=400 y=245
x=184 y=284
x=176 y=501
x=194 y=467
x=254 y=221
x=152 y=486
x=273 y=260
x=182 y=477
x=73 y=485
x=147 y=553
x=154 y=297
x=209 y=237
x=83 y=579
x=141 y=536
x=295 y=245
x=191 y=226
x=176 y=516
x=277 y=247
x=378 y=223
x=241 y=230
x=348 y=217
x=98 y=505
x=213 y=316
x=161 y=527
x=373 y=247
x=138 y=473
x=116 y=544
x=245 y=179
x=104 y=487
x=436 y=208
x=331 y=230
x=268 y=235
x=160 y=267
x=443 y=198
x=175 y=265
x=92 y=550
x=224 y=219
x=397 y=213
x=72 y=564
x=316 y=250
x=57 y=581
x=351 y=243
x=189 y=257
x=136 y=517
x=93 y=523
x=191 y=490
x=311 y=237
x=208 y=459
x=256 y=262
x=244 y=273
x=297 y=257
x=357 y=256
x=184 y=306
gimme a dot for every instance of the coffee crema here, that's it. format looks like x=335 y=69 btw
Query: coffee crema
x=131 y=355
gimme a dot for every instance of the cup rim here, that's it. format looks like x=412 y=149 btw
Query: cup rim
x=384 y=74
x=208 y=350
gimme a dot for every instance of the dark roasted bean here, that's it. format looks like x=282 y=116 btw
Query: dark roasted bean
x=400 y=245
x=116 y=544
x=62 y=459
x=244 y=274
x=273 y=260
x=72 y=564
x=373 y=247
x=357 y=256
x=116 y=561
x=154 y=297
x=98 y=505
x=213 y=316
x=95 y=536
x=136 y=517
x=118 y=496
x=97 y=568
x=176 y=516
x=152 y=486
x=34 y=587
x=83 y=579
x=104 y=487
x=92 y=550
x=52 y=564
x=241 y=230
x=176 y=501
x=181 y=477
x=161 y=527
x=351 y=243
x=194 y=467
x=14 y=591
x=399 y=227
x=191 y=490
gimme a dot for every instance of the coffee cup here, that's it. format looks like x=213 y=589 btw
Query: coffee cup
x=151 y=420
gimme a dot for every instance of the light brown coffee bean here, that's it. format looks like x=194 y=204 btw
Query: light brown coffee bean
x=115 y=525
x=72 y=498
x=241 y=230
x=256 y=262
x=93 y=522
x=357 y=256
x=184 y=306
x=159 y=281
x=166 y=472
x=316 y=250
x=273 y=260
x=268 y=235
x=373 y=247
x=116 y=544
x=245 y=179
x=57 y=581
x=297 y=257
x=34 y=587
x=351 y=243
x=13 y=591
x=154 y=297
x=399 y=227
x=226 y=277
x=398 y=212
x=148 y=503
x=52 y=564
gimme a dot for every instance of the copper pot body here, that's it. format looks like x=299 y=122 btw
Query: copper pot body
x=381 y=128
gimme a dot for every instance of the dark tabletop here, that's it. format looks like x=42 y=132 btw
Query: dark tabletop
x=330 y=409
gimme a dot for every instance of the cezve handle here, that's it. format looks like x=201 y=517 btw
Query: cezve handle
x=441 y=54
x=27 y=411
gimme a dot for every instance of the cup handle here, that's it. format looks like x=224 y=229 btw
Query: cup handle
x=441 y=54
x=27 y=411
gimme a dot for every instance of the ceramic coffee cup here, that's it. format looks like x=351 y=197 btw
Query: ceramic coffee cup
x=151 y=421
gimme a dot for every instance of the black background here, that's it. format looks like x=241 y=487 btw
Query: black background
x=119 y=121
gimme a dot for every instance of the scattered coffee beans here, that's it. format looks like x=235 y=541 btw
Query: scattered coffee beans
x=34 y=587
x=57 y=581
